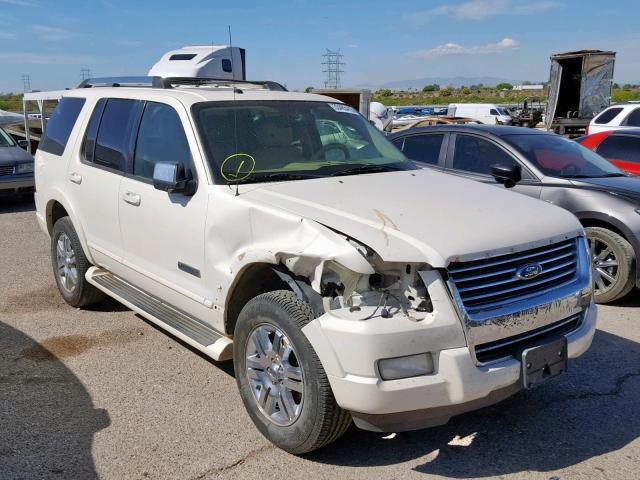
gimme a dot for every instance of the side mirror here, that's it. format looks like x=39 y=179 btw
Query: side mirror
x=507 y=175
x=23 y=144
x=171 y=177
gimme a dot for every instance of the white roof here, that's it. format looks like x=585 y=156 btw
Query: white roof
x=190 y=95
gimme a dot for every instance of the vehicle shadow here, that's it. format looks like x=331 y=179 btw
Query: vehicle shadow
x=16 y=205
x=630 y=300
x=590 y=411
x=47 y=419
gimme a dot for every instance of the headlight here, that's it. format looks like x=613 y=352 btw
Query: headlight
x=406 y=367
x=24 y=168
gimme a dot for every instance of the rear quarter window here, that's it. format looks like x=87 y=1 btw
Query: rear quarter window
x=606 y=116
x=61 y=124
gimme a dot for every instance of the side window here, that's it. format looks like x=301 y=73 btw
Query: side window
x=113 y=142
x=477 y=155
x=633 y=120
x=423 y=148
x=60 y=125
x=227 y=66
x=493 y=111
x=606 y=116
x=161 y=138
x=620 y=147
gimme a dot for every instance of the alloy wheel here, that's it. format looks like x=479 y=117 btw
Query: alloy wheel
x=605 y=265
x=66 y=262
x=275 y=374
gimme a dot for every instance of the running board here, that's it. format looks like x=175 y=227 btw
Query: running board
x=181 y=324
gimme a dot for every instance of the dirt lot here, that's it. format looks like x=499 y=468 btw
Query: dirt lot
x=101 y=393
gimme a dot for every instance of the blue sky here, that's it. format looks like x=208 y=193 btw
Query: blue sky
x=382 y=40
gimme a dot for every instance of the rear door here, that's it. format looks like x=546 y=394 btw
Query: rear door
x=472 y=156
x=96 y=173
x=552 y=98
x=426 y=149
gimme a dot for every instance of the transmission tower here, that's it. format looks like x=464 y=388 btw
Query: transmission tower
x=85 y=73
x=26 y=83
x=332 y=64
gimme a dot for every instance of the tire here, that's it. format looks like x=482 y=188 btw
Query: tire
x=612 y=258
x=66 y=251
x=317 y=419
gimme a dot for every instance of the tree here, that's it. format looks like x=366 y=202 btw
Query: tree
x=465 y=91
x=308 y=90
x=504 y=86
x=385 y=92
x=433 y=87
x=446 y=92
x=616 y=86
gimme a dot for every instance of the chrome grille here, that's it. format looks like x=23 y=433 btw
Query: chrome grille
x=6 y=170
x=493 y=282
x=511 y=346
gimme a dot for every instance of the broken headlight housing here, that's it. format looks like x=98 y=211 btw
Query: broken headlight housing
x=394 y=287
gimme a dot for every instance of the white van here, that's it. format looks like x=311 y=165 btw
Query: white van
x=488 y=113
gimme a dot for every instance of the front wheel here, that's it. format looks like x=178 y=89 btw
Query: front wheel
x=281 y=380
x=613 y=263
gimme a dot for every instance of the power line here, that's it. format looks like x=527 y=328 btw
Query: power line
x=26 y=83
x=332 y=63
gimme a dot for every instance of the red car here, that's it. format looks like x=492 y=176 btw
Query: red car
x=620 y=147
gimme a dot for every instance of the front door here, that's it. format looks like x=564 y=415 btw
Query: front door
x=472 y=156
x=162 y=233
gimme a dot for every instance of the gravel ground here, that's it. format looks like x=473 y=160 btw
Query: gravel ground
x=102 y=393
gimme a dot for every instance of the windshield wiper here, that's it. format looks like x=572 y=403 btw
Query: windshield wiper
x=277 y=176
x=597 y=176
x=366 y=169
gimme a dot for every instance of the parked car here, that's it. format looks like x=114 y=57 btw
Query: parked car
x=553 y=169
x=487 y=113
x=345 y=283
x=16 y=166
x=620 y=147
x=620 y=116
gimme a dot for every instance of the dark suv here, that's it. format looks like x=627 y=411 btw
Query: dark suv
x=16 y=167
x=549 y=167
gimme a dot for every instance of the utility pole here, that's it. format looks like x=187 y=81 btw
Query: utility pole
x=332 y=65
x=26 y=83
x=85 y=73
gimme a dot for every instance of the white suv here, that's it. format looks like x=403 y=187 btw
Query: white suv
x=617 y=117
x=345 y=283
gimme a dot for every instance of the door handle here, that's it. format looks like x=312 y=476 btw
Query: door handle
x=75 y=178
x=132 y=198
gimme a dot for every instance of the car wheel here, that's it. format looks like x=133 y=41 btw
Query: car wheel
x=281 y=380
x=70 y=265
x=613 y=262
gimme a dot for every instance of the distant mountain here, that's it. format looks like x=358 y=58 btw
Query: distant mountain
x=455 y=82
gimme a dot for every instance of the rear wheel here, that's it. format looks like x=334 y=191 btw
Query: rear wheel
x=613 y=263
x=70 y=265
x=281 y=380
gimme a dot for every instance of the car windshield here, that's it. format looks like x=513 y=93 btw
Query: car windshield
x=558 y=157
x=259 y=141
x=6 y=140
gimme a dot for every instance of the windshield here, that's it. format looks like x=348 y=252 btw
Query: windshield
x=257 y=141
x=6 y=140
x=558 y=157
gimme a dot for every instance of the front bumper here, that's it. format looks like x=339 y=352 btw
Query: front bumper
x=17 y=184
x=349 y=351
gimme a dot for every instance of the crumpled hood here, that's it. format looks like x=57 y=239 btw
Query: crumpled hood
x=421 y=215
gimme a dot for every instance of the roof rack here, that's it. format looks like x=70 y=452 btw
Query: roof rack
x=166 y=83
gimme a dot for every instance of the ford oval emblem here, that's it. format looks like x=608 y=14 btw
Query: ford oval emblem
x=529 y=271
